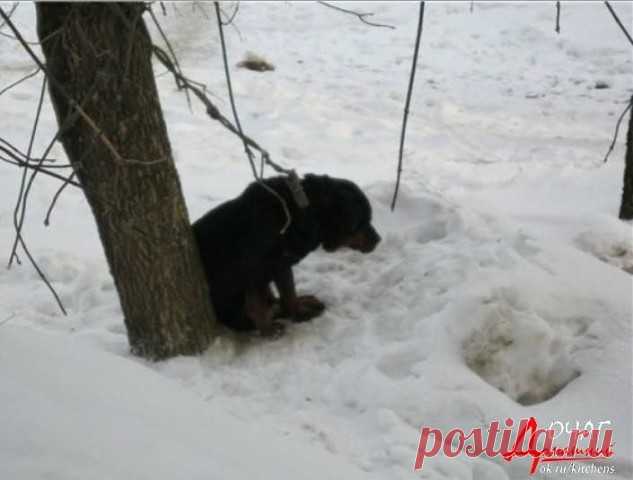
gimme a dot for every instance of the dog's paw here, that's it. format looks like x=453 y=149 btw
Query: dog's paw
x=274 y=331
x=306 y=307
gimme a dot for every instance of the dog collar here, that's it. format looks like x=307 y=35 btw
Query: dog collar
x=298 y=194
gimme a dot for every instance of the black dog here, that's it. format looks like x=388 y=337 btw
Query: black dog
x=243 y=250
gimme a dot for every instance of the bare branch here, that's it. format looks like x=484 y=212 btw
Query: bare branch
x=617 y=130
x=408 y=102
x=619 y=22
x=227 y=74
x=47 y=219
x=557 y=29
x=60 y=88
x=173 y=54
x=106 y=141
x=211 y=109
x=7 y=320
x=361 y=16
x=43 y=276
x=195 y=5
x=230 y=18
x=249 y=153
x=19 y=160
x=14 y=7
x=17 y=82
x=12 y=147
x=20 y=207
x=19 y=156
x=12 y=37
x=214 y=113
x=199 y=90
x=69 y=180
x=44 y=170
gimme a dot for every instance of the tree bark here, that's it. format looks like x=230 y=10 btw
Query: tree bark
x=626 y=206
x=99 y=56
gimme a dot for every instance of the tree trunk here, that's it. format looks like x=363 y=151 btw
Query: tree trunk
x=626 y=207
x=100 y=55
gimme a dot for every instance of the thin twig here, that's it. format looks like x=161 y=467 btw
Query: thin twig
x=47 y=219
x=20 y=207
x=7 y=320
x=196 y=6
x=106 y=141
x=33 y=164
x=43 y=277
x=199 y=90
x=44 y=170
x=12 y=147
x=617 y=20
x=249 y=153
x=69 y=180
x=11 y=12
x=15 y=153
x=227 y=74
x=24 y=192
x=60 y=88
x=408 y=102
x=66 y=123
x=230 y=21
x=361 y=16
x=617 y=130
x=172 y=52
x=69 y=120
x=230 y=18
x=19 y=213
x=29 y=42
x=557 y=29
x=37 y=165
x=13 y=37
x=17 y=82
x=212 y=111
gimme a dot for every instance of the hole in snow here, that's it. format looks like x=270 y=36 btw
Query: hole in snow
x=519 y=353
x=611 y=248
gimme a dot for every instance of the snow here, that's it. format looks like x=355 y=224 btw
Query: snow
x=500 y=288
x=65 y=407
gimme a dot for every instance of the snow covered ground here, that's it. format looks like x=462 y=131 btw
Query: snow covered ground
x=499 y=290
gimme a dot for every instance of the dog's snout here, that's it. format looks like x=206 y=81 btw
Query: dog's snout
x=377 y=237
x=372 y=238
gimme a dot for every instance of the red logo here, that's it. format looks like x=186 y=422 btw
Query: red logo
x=530 y=441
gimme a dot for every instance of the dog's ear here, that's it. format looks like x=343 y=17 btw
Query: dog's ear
x=311 y=177
x=320 y=189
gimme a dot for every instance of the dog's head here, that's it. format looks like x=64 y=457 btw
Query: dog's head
x=344 y=213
